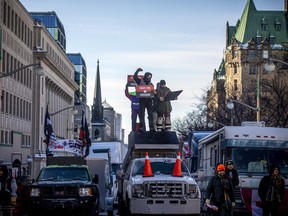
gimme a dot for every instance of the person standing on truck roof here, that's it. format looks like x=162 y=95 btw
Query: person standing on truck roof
x=220 y=193
x=164 y=107
x=145 y=103
x=135 y=107
x=155 y=102
x=230 y=171
x=271 y=191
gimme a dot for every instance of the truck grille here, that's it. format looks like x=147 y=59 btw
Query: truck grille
x=164 y=189
x=60 y=191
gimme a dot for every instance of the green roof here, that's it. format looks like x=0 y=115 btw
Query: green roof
x=252 y=22
x=221 y=72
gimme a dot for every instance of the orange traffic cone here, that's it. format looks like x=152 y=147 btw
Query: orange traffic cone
x=147 y=167
x=177 y=168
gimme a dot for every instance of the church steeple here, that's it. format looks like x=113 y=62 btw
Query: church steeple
x=97 y=109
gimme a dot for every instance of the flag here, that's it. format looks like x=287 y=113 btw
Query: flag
x=49 y=133
x=84 y=135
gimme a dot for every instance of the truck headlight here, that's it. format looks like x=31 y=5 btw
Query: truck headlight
x=137 y=190
x=192 y=191
x=85 y=191
x=35 y=192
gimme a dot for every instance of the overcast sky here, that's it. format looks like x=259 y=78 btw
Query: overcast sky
x=179 y=41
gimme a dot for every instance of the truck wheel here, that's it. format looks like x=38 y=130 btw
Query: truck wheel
x=110 y=213
x=34 y=212
x=92 y=211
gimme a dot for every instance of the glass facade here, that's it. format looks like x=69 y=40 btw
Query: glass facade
x=53 y=26
x=80 y=76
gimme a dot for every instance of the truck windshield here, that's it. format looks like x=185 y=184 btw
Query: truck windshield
x=252 y=160
x=158 y=167
x=63 y=174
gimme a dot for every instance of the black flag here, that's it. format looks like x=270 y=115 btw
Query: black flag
x=49 y=133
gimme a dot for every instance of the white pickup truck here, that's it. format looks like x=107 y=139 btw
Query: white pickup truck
x=159 y=193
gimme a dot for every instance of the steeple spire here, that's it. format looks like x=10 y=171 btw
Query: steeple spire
x=97 y=109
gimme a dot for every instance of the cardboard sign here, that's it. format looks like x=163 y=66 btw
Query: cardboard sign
x=172 y=95
x=145 y=91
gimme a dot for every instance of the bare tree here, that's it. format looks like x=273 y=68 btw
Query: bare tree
x=274 y=102
x=194 y=120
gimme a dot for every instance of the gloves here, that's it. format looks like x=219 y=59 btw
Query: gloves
x=207 y=202
x=161 y=98
x=233 y=204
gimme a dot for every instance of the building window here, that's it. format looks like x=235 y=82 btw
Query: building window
x=235 y=85
x=264 y=24
x=252 y=55
x=11 y=104
x=272 y=39
x=2 y=137
x=6 y=137
x=2 y=101
x=235 y=69
x=277 y=25
x=234 y=53
x=252 y=69
x=7 y=102
x=14 y=105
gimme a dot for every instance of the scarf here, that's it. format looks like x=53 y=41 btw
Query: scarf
x=273 y=188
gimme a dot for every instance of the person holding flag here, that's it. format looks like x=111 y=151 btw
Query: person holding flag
x=49 y=133
x=84 y=135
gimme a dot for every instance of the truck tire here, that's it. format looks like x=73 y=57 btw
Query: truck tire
x=92 y=211
x=110 y=213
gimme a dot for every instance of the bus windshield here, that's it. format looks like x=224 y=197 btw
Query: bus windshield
x=257 y=161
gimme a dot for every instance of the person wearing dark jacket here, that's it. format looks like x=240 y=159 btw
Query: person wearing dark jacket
x=230 y=171
x=164 y=107
x=5 y=190
x=145 y=103
x=220 y=193
x=271 y=191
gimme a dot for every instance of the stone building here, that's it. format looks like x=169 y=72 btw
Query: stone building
x=24 y=95
x=256 y=37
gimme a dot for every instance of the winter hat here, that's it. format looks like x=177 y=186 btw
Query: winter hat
x=229 y=162
x=162 y=82
x=220 y=167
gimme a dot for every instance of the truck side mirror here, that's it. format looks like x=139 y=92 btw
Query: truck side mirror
x=96 y=179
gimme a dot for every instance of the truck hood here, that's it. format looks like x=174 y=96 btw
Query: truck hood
x=54 y=183
x=138 y=179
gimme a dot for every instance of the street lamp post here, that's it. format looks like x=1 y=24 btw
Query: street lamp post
x=39 y=70
x=210 y=124
x=74 y=111
x=29 y=161
x=230 y=104
x=269 y=66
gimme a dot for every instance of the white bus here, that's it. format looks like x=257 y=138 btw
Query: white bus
x=252 y=148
